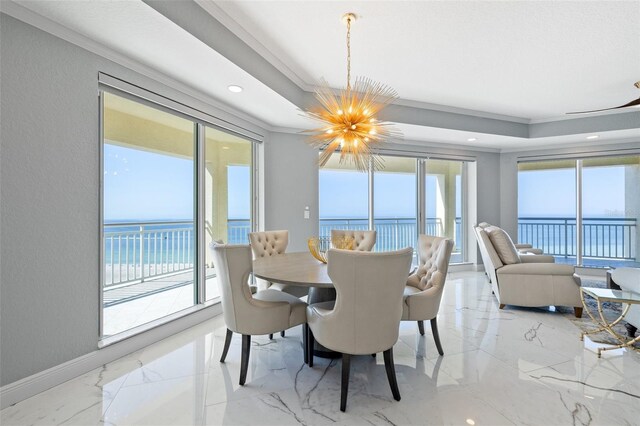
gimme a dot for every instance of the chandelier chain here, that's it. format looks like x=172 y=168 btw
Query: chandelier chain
x=348 y=54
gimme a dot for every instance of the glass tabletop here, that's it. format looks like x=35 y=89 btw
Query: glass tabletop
x=610 y=295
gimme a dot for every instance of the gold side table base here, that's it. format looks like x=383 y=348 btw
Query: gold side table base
x=605 y=325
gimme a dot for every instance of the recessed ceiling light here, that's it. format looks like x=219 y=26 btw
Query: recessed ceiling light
x=470 y=422
x=472 y=140
x=225 y=147
x=593 y=137
x=235 y=89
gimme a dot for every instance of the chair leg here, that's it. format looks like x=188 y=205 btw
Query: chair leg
x=577 y=312
x=346 y=366
x=311 y=342
x=271 y=336
x=244 y=363
x=391 y=373
x=227 y=343
x=421 y=327
x=282 y=333
x=305 y=345
x=502 y=305
x=436 y=335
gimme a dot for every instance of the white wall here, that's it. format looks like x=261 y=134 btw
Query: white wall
x=291 y=184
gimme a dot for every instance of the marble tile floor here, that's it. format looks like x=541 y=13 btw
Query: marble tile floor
x=512 y=366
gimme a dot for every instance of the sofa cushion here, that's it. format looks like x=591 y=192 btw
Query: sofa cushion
x=503 y=245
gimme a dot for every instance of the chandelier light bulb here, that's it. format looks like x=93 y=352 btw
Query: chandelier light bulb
x=329 y=131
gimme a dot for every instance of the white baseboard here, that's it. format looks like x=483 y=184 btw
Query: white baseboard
x=40 y=382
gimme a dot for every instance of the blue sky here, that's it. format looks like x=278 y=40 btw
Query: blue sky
x=553 y=193
x=142 y=185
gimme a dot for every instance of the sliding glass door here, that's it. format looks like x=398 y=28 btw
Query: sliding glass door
x=443 y=187
x=610 y=211
x=547 y=207
x=149 y=214
x=389 y=197
x=395 y=204
x=227 y=195
x=595 y=201
x=344 y=197
x=161 y=172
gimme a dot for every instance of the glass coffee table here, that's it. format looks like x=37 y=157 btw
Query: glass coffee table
x=601 y=295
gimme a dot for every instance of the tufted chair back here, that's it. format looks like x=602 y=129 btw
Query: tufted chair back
x=363 y=240
x=269 y=243
x=435 y=253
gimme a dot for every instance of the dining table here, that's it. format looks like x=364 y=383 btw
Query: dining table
x=303 y=270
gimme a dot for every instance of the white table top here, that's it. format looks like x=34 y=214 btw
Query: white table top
x=609 y=295
x=299 y=269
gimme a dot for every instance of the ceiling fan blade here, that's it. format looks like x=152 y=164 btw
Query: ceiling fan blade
x=632 y=103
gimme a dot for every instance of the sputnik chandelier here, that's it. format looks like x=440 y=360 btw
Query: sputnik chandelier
x=349 y=123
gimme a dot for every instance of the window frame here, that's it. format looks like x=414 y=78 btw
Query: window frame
x=200 y=120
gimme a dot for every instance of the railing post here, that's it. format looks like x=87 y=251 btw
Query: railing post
x=566 y=237
x=141 y=253
x=396 y=233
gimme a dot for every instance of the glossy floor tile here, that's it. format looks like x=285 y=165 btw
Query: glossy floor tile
x=501 y=367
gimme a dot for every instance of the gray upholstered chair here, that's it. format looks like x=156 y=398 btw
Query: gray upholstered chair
x=526 y=280
x=524 y=248
x=264 y=312
x=363 y=240
x=365 y=317
x=424 y=288
x=273 y=243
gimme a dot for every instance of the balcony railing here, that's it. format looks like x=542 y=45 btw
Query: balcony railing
x=136 y=251
x=393 y=233
x=603 y=238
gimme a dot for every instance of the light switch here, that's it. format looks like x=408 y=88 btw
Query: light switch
x=306 y=212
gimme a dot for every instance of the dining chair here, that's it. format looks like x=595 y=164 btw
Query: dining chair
x=365 y=317
x=363 y=240
x=423 y=291
x=265 y=312
x=273 y=243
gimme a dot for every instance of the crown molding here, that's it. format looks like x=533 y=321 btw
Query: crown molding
x=590 y=145
x=56 y=29
x=223 y=17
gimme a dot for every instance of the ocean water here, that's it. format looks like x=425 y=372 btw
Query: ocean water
x=163 y=242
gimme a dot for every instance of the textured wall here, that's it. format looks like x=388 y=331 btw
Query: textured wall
x=49 y=179
x=291 y=184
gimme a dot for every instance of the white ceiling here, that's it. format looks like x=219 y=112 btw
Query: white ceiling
x=135 y=30
x=529 y=59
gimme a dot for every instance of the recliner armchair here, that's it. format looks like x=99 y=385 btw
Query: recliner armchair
x=526 y=280
x=521 y=247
